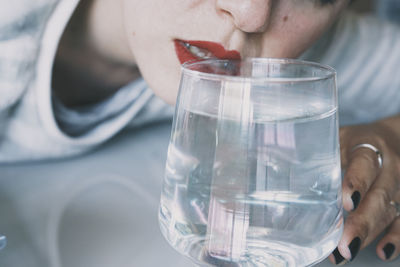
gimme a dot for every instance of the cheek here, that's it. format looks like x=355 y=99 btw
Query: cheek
x=163 y=79
x=305 y=33
x=295 y=26
x=152 y=47
x=292 y=34
x=159 y=67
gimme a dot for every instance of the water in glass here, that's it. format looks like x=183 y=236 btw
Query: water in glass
x=249 y=186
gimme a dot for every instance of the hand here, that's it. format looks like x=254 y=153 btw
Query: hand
x=369 y=191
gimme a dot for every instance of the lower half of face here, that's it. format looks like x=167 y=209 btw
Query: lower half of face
x=163 y=34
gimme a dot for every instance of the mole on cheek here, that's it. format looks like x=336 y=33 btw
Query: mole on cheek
x=285 y=18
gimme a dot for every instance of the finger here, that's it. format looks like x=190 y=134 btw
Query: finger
x=344 y=145
x=388 y=247
x=372 y=216
x=376 y=209
x=361 y=173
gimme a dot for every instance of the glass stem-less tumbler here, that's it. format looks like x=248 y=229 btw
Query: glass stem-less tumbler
x=253 y=169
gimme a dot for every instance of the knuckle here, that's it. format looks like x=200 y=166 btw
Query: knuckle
x=382 y=196
x=397 y=166
x=359 y=224
x=358 y=182
x=394 y=232
x=370 y=158
x=386 y=214
x=395 y=229
x=380 y=141
x=387 y=218
x=343 y=131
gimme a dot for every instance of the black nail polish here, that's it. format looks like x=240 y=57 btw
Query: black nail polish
x=388 y=249
x=356 y=197
x=338 y=257
x=355 y=247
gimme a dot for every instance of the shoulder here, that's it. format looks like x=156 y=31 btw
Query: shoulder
x=22 y=16
x=355 y=36
x=22 y=24
x=362 y=50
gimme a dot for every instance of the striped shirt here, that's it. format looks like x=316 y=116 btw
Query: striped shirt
x=366 y=55
x=362 y=49
x=29 y=35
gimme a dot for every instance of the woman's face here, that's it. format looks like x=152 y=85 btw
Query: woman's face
x=164 y=33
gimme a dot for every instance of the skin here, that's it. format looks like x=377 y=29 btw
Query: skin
x=139 y=33
x=272 y=32
x=377 y=186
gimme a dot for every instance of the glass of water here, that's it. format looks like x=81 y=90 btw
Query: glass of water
x=253 y=170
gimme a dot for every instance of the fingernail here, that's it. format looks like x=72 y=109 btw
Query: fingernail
x=388 y=249
x=355 y=247
x=338 y=257
x=356 y=196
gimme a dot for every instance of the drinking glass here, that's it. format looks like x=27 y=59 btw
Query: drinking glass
x=253 y=172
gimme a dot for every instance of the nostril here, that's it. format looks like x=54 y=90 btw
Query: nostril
x=225 y=13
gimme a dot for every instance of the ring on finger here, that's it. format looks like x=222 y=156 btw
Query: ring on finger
x=396 y=206
x=373 y=148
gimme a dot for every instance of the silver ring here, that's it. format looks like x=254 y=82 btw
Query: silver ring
x=397 y=207
x=373 y=148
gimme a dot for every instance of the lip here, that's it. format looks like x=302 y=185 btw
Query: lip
x=215 y=49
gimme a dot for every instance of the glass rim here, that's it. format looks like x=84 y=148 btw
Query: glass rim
x=330 y=72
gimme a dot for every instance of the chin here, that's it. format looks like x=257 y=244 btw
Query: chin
x=166 y=89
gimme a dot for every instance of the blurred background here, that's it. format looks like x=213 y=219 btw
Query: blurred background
x=386 y=9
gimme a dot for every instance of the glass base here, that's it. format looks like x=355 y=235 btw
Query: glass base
x=261 y=248
x=254 y=257
x=257 y=253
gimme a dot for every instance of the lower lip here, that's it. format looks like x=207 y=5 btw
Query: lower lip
x=217 y=50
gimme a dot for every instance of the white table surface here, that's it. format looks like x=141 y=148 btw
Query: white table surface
x=96 y=210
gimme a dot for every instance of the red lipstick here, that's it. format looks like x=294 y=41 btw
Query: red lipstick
x=209 y=49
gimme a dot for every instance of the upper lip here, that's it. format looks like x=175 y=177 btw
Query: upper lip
x=216 y=49
x=209 y=49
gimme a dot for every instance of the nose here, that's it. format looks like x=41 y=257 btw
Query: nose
x=248 y=15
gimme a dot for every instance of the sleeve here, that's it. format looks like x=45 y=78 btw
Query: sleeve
x=20 y=27
x=389 y=9
x=35 y=126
